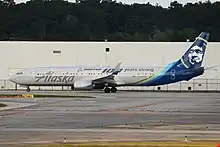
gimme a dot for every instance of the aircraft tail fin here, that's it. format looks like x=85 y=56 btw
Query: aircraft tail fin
x=194 y=56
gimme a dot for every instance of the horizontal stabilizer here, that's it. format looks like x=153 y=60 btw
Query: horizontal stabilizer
x=211 y=67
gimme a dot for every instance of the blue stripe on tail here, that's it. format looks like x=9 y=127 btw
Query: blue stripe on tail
x=186 y=68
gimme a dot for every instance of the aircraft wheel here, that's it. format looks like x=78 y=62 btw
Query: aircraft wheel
x=72 y=87
x=113 y=89
x=28 y=89
x=107 y=90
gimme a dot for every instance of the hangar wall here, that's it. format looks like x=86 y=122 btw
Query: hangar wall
x=17 y=55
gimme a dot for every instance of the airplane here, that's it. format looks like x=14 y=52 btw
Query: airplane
x=108 y=79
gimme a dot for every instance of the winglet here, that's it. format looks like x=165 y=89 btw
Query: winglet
x=117 y=69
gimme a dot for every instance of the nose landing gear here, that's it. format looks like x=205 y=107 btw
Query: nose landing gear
x=28 y=89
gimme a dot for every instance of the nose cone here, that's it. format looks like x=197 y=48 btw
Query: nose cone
x=13 y=78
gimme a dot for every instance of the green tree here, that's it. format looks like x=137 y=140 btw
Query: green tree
x=97 y=20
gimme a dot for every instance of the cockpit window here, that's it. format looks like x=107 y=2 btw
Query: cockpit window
x=19 y=73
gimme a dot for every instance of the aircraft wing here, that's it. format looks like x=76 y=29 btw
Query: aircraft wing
x=107 y=78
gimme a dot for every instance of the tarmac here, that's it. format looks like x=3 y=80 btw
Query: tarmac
x=121 y=116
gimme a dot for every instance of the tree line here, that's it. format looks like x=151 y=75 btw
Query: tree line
x=98 y=20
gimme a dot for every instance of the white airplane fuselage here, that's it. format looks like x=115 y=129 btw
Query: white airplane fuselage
x=67 y=76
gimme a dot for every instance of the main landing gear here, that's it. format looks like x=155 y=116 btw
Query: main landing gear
x=108 y=90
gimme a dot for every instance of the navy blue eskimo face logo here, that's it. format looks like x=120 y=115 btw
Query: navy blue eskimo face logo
x=195 y=55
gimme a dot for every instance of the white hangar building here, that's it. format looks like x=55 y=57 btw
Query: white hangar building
x=18 y=55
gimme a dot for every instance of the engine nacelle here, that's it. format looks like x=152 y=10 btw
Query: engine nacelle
x=98 y=86
x=83 y=84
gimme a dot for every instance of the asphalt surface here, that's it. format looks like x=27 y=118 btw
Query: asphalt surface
x=110 y=117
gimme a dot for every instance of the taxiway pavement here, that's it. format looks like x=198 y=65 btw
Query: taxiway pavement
x=116 y=117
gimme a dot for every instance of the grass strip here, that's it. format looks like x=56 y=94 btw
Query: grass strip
x=46 y=95
x=66 y=96
x=136 y=144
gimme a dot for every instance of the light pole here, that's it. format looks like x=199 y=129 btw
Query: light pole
x=107 y=49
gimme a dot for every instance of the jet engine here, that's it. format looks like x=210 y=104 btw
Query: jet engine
x=83 y=84
x=88 y=84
